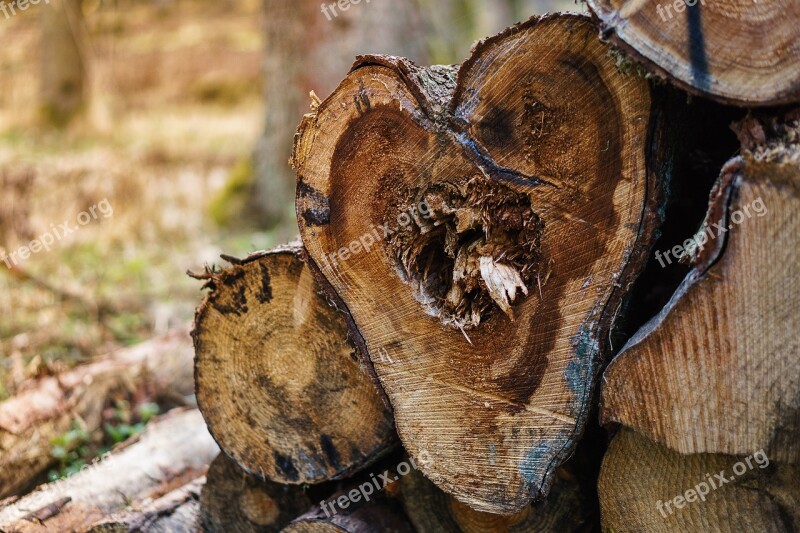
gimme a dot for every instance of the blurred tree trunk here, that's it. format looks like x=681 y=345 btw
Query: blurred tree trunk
x=495 y=15
x=63 y=61
x=452 y=29
x=457 y=24
x=308 y=48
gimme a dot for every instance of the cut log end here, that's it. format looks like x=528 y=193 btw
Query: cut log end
x=739 y=305
x=233 y=501
x=277 y=381
x=737 y=52
x=644 y=486
x=481 y=235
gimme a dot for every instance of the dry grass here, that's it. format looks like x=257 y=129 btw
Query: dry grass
x=176 y=104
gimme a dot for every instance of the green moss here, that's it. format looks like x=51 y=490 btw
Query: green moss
x=74 y=449
x=229 y=205
x=70 y=449
x=627 y=66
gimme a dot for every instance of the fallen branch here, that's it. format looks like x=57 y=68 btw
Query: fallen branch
x=173 y=450
x=48 y=407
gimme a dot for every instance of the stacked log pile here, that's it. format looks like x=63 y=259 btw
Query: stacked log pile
x=520 y=302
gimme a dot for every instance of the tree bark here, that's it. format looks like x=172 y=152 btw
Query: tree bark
x=737 y=52
x=481 y=234
x=299 y=57
x=49 y=406
x=148 y=466
x=63 y=61
x=232 y=501
x=178 y=511
x=280 y=386
x=717 y=370
x=638 y=474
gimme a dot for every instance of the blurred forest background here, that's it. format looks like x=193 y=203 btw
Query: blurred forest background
x=181 y=114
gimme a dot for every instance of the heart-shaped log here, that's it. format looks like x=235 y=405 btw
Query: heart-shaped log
x=480 y=228
x=740 y=52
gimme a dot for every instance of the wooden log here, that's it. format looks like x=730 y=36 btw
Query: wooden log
x=382 y=514
x=641 y=481
x=717 y=369
x=433 y=511
x=173 y=450
x=277 y=381
x=308 y=45
x=737 y=51
x=178 y=511
x=480 y=227
x=233 y=501
x=48 y=407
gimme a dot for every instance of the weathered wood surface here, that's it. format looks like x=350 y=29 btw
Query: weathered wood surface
x=173 y=450
x=433 y=511
x=48 y=407
x=178 y=511
x=640 y=482
x=234 y=502
x=277 y=381
x=480 y=226
x=735 y=51
x=718 y=369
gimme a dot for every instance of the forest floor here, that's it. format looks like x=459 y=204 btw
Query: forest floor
x=176 y=109
x=148 y=184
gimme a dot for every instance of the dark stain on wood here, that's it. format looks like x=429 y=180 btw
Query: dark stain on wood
x=286 y=466
x=497 y=128
x=265 y=294
x=237 y=307
x=697 y=47
x=330 y=451
x=317 y=209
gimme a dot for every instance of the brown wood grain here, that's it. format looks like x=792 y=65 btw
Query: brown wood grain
x=535 y=156
x=277 y=381
x=758 y=493
x=718 y=370
x=735 y=51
